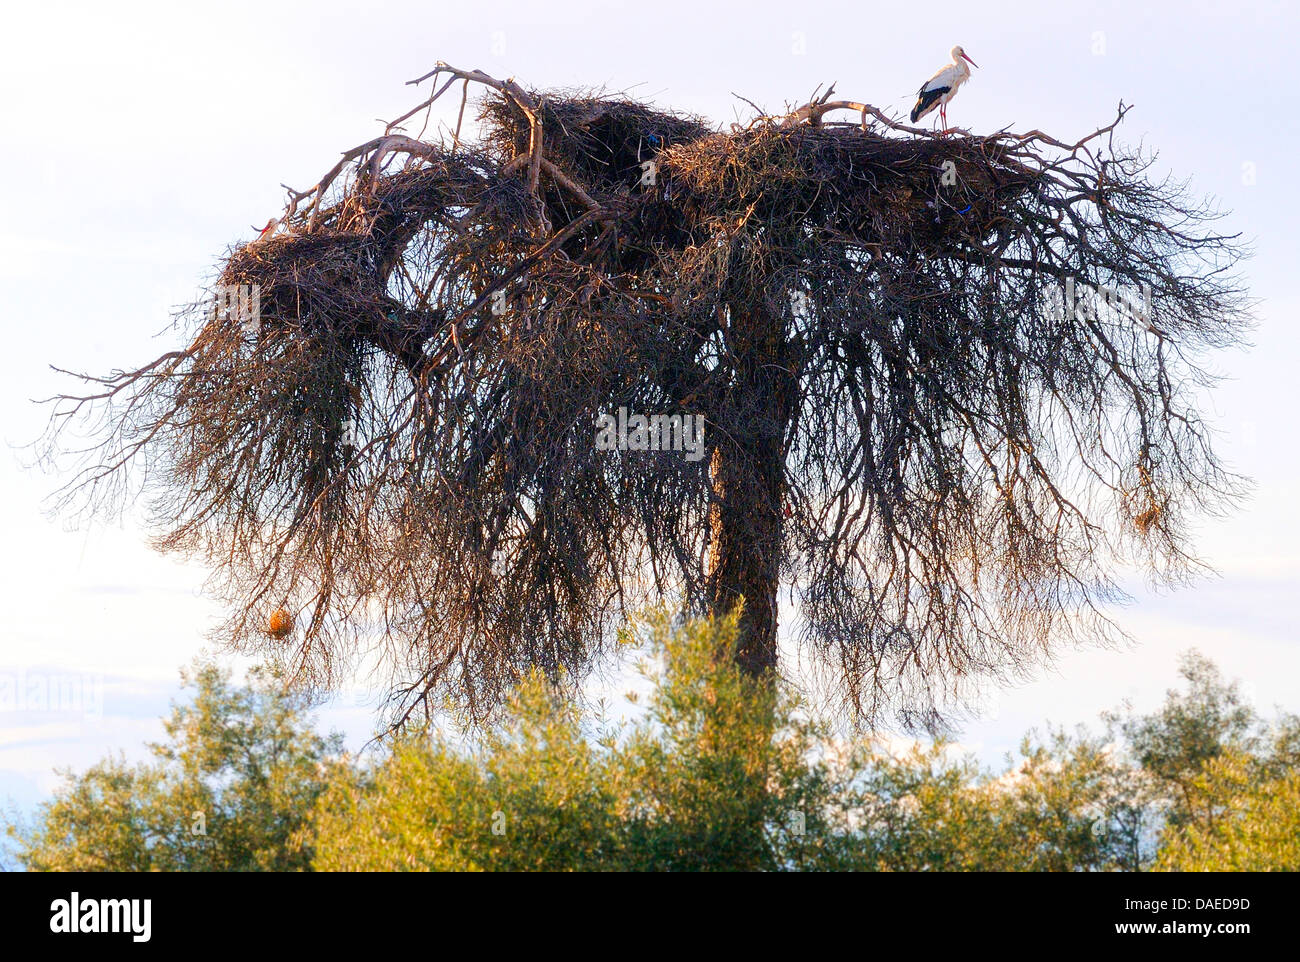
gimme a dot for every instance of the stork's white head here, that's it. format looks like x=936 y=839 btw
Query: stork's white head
x=958 y=55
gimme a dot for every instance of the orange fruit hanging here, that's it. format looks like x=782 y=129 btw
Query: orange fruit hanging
x=281 y=623
x=1147 y=518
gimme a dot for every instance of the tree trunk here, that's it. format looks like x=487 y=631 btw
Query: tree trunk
x=748 y=475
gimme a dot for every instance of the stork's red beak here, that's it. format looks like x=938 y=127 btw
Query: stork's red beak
x=969 y=61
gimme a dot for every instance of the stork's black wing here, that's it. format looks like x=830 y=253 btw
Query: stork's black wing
x=925 y=101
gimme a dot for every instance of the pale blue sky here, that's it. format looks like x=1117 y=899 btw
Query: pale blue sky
x=140 y=139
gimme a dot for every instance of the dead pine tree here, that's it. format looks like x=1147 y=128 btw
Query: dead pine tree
x=948 y=387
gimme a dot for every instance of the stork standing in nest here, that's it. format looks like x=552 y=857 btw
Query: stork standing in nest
x=942 y=87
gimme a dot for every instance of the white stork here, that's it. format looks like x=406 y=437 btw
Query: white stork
x=269 y=229
x=942 y=87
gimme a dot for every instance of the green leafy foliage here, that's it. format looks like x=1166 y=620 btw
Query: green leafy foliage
x=713 y=770
x=714 y=774
x=231 y=789
x=721 y=772
x=1245 y=821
